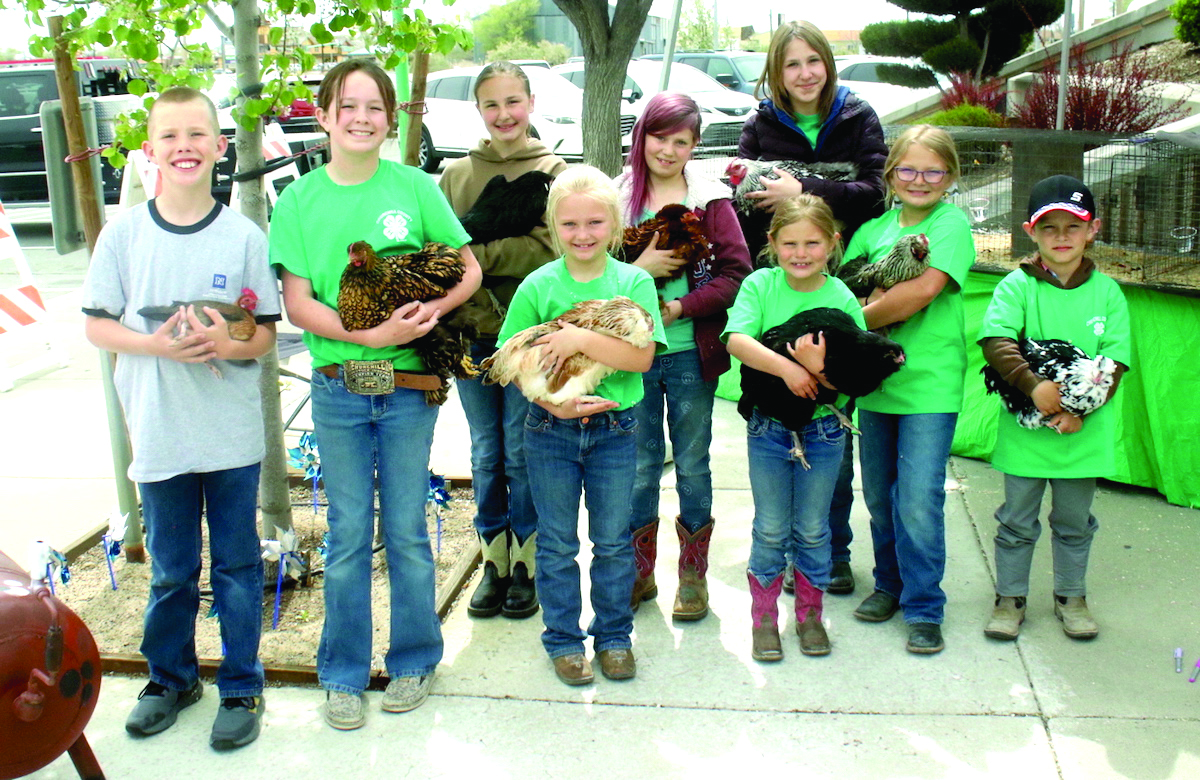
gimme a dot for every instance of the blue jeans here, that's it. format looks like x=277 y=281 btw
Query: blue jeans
x=843 y=500
x=172 y=510
x=674 y=379
x=903 y=459
x=360 y=438
x=592 y=455
x=496 y=416
x=791 y=503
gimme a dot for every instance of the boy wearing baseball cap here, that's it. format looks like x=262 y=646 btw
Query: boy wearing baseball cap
x=1056 y=293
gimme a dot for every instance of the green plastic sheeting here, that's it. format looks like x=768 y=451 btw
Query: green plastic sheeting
x=1158 y=430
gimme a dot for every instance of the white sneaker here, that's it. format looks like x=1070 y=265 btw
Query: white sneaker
x=407 y=693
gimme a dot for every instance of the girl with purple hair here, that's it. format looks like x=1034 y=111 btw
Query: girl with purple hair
x=683 y=378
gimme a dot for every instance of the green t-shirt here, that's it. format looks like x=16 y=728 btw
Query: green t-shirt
x=680 y=334
x=1093 y=317
x=933 y=338
x=810 y=125
x=551 y=290
x=396 y=211
x=766 y=300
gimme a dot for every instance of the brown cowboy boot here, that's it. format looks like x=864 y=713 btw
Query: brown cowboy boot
x=764 y=618
x=691 y=598
x=645 y=551
x=813 y=639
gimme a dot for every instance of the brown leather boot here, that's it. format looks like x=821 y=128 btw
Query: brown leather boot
x=691 y=599
x=813 y=639
x=645 y=551
x=764 y=619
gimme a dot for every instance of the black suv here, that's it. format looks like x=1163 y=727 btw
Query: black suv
x=24 y=86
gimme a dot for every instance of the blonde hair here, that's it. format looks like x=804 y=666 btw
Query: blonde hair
x=589 y=181
x=185 y=95
x=804 y=206
x=772 y=75
x=935 y=139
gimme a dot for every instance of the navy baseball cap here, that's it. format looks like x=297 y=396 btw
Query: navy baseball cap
x=1061 y=193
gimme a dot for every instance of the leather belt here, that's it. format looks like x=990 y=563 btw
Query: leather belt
x=404 y=379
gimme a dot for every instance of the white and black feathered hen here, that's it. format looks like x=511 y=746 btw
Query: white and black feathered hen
x=579 y=375
x=856 y=363
x=908 y=259
x=746 y=176
x=1083 y=381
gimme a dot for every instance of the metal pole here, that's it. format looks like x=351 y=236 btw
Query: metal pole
x=1064 y=65
x=669 y=54
x=716 y=28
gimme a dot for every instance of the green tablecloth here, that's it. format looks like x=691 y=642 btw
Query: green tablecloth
x=1158 y=430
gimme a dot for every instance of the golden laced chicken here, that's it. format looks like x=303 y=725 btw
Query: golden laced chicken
x=239 y=317
x=520 y=360
x=1083 y=381
x=374 y=286
x=678 y=229
x=908 y=259
x=746 y=176
x=857 y=361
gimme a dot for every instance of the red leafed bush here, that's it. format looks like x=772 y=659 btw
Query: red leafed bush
x=1114 y=95
x=965 y=88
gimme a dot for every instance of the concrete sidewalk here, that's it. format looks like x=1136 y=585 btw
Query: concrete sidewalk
x=1042 y=707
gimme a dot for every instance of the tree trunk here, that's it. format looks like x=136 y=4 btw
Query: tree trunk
x=607 y=47
x=274 y=496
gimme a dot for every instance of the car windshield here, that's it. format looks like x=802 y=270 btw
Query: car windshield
x=751 y=67
x=553 y=92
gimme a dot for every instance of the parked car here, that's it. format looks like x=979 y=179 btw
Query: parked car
x=737 y=70
x=24 y=86
x=859 y=72
x=452 y=126
x=722 y=111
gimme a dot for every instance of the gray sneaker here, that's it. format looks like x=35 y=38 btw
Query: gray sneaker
x=345 y=711
x=238 y=722
x=158 y=707
x=407 y=693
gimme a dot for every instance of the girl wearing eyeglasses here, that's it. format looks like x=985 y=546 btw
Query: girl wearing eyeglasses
x=908 y=424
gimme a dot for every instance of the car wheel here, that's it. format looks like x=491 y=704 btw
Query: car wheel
x=427 y=159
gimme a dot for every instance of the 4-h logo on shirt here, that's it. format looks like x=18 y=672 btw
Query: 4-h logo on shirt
x=395 y=224
x=1097 y=324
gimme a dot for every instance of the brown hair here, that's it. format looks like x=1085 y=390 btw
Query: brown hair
x=935 y=139
x=500 y=68
x=331 y=86
x=772 y=75
x=815 y=210
x=185 y=95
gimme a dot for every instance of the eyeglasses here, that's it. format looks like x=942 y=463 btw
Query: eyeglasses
x=911 y=174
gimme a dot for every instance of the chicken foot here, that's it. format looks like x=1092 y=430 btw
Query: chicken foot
x=183 y=330
x=843 y=419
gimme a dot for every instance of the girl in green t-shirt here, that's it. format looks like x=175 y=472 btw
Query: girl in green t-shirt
x=908 y=424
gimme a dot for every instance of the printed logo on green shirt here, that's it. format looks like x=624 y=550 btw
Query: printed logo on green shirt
x=395 y=224
x=1097 y=324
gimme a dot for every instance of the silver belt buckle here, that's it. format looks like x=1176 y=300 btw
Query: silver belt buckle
x=369 y=377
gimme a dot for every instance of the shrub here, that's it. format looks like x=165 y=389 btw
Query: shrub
x=965 y=88
x=553 y=53
x=1187 y=14
x=1116 y=95
x=966 y=115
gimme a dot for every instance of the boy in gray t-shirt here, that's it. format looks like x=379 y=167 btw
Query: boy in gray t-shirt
x=191 y=400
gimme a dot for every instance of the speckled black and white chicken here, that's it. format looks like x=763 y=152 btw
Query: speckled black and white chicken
x=746 y=176
x=520 y=360
x=1083 y=381
x=908 y=259
x=857 y=361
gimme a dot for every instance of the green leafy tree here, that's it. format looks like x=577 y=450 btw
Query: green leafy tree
x=978 y=37
x=1187 y=15
x=696 y=27
x=512 y=21
x=553 y=53
x=608 y=41
x=143 y=29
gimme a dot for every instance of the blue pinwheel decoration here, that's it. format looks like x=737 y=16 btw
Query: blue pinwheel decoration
x=112 y=540
x=283 y=550
x=307 y=458
x=437 y=498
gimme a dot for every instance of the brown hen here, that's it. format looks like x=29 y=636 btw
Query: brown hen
x=374 y=286
x=238 y=317
x=521 y=361
x=678 y=229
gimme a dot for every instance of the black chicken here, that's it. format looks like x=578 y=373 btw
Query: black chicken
x=373 y=286
x=508 y=208
x=1083 y=381
x=746 y=176
x=908 y=259
x=856 y=363
x=678 y=229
